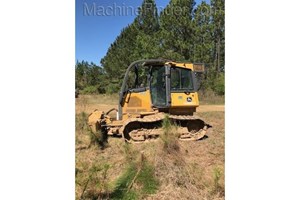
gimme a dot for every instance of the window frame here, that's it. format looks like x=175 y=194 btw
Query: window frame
x=179 y=90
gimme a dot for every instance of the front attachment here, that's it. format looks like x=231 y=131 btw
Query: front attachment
x=94 y=120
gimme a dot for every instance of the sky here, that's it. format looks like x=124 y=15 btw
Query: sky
x=99 y=22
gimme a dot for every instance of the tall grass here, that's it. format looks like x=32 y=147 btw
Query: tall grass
x=108 y=99
x=162 y=169
x=217 y=188
x=81 y=122
x=170 y=136
x=210 y=98
x=138 y=180
x=82 y=128
x=93 y=181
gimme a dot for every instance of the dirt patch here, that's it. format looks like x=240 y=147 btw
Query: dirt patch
x=211 y=108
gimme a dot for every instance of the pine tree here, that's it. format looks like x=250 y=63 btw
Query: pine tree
x=147 y=19
x=203 y=35
x=147 y=22
x=210 y=43
x=180 y=33
x=177 y=30
x=81 y=78
x=137 y=41
x=89 y=75
x=119 y=56
x=218 y=21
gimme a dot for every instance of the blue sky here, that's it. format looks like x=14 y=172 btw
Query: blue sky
x=97 y=28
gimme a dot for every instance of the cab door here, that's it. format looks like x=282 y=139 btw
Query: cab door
x=137 y=97
x=160 y=86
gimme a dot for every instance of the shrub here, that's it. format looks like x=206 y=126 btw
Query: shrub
x=219 y=86
x=112 y=88
x=217 y=187
x=93 y=182
x=213 y=81
x=90 y=90
x=137 y=181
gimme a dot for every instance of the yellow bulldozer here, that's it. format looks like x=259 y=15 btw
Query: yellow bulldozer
x=152 y=89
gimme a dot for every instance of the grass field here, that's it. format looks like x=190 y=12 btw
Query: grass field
x=161 y=169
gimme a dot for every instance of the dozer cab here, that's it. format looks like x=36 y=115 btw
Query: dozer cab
x=151 y=90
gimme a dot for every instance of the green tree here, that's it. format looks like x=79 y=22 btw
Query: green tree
x=119 y=56
x=81 y=74
x=137 y=41
x=177 y=30
x=210 y=43
x=180 y=33
x=203 y=37
x=147 y=22
x=218 y=21
x=89 y=77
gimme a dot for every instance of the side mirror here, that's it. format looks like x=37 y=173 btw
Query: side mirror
x=199 y=69
x=197 y=80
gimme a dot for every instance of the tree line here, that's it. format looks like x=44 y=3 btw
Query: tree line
x=183 y=31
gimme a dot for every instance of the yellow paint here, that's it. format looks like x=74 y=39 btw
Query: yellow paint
x=93 y=119
x=180 y=99
x=182 y=65
x=137 y=103
x=134 y=110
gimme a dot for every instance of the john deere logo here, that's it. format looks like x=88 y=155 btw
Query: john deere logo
x=189 y=99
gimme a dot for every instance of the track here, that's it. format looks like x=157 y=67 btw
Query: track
x=149 y=127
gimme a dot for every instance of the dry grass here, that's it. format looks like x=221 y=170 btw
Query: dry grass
x=210 y=98
x=183 y=170
x=107 y=99
x=196 y=169
x=88 y=103
x=100 y=167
